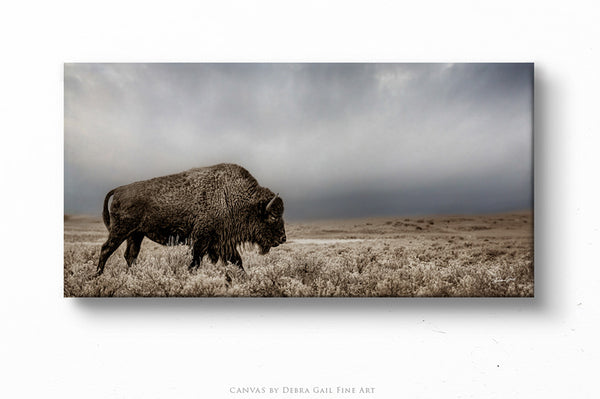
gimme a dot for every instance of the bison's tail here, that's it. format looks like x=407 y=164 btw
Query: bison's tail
x=105 y=213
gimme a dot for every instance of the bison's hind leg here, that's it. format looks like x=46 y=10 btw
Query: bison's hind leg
x=134 y=243
x=113 y=242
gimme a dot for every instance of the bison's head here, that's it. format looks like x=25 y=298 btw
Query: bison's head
x=272 y=231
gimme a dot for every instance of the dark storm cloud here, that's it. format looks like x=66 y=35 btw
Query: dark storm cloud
x=336 y=140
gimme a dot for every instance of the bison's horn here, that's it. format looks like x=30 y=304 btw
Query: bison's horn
x=270 y=204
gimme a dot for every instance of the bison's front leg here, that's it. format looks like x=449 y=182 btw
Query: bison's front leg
x=213 y=256
x=199 y=249
x=236 y=259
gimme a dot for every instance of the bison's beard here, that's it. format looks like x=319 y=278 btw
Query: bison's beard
x=260 y=247
x=264 y=246
x=264 y=249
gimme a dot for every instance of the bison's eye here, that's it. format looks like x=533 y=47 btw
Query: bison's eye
x=273 y=218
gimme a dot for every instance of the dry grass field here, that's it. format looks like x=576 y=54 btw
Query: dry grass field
x=487 y=255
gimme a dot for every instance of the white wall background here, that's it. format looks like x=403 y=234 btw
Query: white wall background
x=199 y=348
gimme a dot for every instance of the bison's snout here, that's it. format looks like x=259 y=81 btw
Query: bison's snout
x=279 y=241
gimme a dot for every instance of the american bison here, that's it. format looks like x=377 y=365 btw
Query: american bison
x=214 y=209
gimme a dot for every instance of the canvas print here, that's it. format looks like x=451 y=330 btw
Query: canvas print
x=298 y=180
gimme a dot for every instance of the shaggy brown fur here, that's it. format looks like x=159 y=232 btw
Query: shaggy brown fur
x=215 y=209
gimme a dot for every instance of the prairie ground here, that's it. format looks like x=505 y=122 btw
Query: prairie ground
x=484 y=255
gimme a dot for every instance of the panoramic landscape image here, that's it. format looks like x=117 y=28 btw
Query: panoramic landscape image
x=298 y=180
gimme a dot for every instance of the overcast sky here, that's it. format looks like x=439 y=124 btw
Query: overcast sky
x=335 y=140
